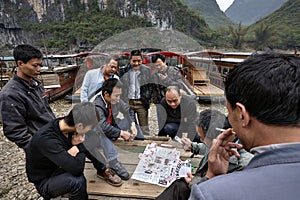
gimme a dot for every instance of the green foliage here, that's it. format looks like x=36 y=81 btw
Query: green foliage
x=237 y=36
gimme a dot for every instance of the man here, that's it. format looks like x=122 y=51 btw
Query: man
x=180 y=114
x=94 y=79
x=263 y=99
x=208 y=121
x=109 y=105
x=137 y=88
x=164 y=76
x=25 y=109
x=55 y=156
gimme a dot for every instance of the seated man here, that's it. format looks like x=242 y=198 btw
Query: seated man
x=208 y=121
x=109 y=105
x=180 y=114
x=263 y=102
x=55 y=156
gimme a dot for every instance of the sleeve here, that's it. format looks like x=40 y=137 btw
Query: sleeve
x=54 y=150
x=85 y=87
x=109 y=130
x=174 y=78
x=13 y=111
x=199 y=148
x=196 y=180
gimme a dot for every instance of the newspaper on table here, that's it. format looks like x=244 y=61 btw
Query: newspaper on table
x=160 y=166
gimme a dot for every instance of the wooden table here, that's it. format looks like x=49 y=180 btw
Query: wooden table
x=131 y=189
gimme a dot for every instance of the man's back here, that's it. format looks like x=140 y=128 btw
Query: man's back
x=273 y=174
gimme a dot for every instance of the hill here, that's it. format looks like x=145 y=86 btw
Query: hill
x=283 y=25
x=211 y=12
x=250 y=11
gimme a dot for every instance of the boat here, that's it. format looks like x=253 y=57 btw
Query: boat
x=195 y=78
x=58 y=72
x=216 y=64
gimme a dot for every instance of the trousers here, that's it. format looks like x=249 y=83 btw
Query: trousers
x=64 y=183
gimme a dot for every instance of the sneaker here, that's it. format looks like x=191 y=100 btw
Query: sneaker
x=120 y=170
x=110 y=177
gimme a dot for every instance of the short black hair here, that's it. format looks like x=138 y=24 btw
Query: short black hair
x=109 y=84
x=155 y=57
x=25 y=52
x=268 y=85
x=85 y=113
x=209 y=120
x=136 y=52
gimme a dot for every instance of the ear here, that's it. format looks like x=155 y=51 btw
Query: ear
x=244 y=116
x=20 y=63
x=105 y=94
x=79 y=126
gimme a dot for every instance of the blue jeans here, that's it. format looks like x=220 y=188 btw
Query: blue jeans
x=65 y=183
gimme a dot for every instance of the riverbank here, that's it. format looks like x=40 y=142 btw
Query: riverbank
x=13 y=182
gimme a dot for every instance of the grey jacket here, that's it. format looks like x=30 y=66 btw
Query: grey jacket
x=273 y=174
x=24 y=109
x=112 y=130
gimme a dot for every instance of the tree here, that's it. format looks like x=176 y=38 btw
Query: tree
x=237 y=36
x=263 y=35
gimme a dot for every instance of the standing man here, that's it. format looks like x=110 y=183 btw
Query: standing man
x=94 y=79
x=263 y=102
x=25 y=109
x=164 y=76
x=55 y=156
x=24 y=106
x=137 y=88
x=180 y=114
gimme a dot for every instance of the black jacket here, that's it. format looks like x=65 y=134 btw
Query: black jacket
x=145 y=80
x=24 y=109
x=47 y=154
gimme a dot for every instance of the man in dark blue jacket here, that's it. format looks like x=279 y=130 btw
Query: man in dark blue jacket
x=263 y=102
x=55 y=156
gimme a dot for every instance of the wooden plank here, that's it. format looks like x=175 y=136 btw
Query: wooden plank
x=129 y=157
x=130 y=188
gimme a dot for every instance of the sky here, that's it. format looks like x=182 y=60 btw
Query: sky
x=224 y=4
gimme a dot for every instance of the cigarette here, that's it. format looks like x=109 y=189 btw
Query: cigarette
x=220 y=129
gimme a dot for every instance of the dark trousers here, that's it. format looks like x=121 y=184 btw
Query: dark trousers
x=170 y=129
x=178 y=190
x=66 y=183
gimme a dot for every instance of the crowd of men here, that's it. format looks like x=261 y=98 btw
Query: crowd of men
x=256 y=157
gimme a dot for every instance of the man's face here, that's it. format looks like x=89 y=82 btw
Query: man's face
x=136 y=62
x=80 y=132
x=234 y=116
x=29 y=70
x=160 y=65
x=173 y=99
x=111 y=68
x=114 y=97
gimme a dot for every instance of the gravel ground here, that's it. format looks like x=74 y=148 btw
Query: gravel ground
x=13 y=180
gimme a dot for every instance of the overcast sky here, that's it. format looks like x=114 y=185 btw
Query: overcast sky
x=224 y=4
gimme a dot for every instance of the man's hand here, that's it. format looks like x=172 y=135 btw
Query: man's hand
x=189 y=177
x=133 y=130
x=73 y=151
x=125 y=135
x=77 y=139
x=187 y=143
x=220 y=152
x=161 y=76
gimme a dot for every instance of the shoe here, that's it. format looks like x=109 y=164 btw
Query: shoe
x=120 y=170
x=110 y=177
